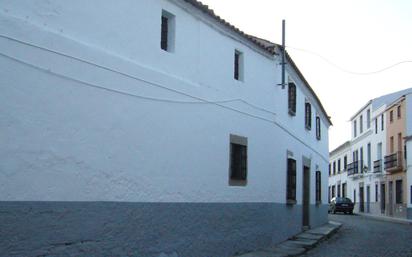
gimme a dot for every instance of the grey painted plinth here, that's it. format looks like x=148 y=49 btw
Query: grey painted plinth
x=145 y=229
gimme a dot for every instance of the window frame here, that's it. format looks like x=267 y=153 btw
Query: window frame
x=308 y=116
x=167 y=31
x=318 y=129
x=291 y=181
x=238 y=66
x=292 y=98
x=399 y=191
x=399 y=114
x=239 y=176
x=318 y=186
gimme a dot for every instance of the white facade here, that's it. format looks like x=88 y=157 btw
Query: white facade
x=92 y=110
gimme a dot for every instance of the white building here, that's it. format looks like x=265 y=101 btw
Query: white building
x=368 y=175
x=155 y=125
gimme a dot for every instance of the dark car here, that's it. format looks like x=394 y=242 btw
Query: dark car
x=341 y=204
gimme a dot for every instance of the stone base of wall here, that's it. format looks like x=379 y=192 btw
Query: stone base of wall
x=409 y=214
x=146 y=229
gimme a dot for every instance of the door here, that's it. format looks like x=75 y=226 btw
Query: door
x=361 y=200
x=383 y=202
x=368 y=199
x=390 y=200
x=306 y=197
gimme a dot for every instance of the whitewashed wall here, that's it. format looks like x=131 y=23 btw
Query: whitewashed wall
x=82 y=124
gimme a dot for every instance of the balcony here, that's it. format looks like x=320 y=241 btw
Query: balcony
x=355 y=168
x=377 y=166
x=393 y=162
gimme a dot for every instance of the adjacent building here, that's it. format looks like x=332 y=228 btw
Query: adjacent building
x=151 y=127
x=376 y=174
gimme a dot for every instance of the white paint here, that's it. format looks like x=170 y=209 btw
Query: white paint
x=76 y=128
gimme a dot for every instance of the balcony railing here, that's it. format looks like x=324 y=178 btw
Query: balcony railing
x=355 y=167
x=393 y=162
x=377 y=166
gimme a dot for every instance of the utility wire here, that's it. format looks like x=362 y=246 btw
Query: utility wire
x=349 y=71
x=282 y=127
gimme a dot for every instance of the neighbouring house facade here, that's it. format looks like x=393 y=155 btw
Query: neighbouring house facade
x=376 y=172
x=153 y=128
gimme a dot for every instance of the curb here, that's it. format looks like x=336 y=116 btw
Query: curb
x=299 y=244
x=386 y=218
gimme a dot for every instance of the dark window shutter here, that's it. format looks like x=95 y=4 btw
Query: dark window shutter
x=291 y=180
x=292 y=98
x=164 y=36
x=308 y=116
x=236 y=75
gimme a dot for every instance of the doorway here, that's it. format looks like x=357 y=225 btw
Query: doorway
x=361 y=200
x=368 y=199
x=390 y=198
x=383 y=202
x=306 y=198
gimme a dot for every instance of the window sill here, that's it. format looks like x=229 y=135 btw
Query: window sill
x=308 y=128
x=292 y=113
x=291 y=202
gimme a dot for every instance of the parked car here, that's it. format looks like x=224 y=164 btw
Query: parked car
x=341 y=204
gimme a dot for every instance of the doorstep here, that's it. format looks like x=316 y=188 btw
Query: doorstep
x=298 y=244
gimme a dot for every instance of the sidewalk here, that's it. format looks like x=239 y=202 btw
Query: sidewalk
x=386 y=218
x=299 y=244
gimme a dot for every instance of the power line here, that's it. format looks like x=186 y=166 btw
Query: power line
x=278 y=124
x=350 y=71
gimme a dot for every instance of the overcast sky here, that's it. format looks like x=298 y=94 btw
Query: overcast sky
x=355 y=36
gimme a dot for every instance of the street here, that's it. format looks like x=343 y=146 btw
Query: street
x=364 y=237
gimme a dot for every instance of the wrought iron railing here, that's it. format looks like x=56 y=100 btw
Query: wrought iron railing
x=377 y=166
x=393 y=161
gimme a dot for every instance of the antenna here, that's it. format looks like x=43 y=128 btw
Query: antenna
x=283 y=63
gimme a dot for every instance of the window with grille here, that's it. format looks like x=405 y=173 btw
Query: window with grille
x=291 y=181
x=318 y=187
x=308 y=116
x=238 y=161
x=238 y=66
x=318 y=129
x=292 y=99
x=167 y=31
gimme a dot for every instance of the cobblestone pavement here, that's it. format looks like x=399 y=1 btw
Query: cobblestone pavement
x=364 y=237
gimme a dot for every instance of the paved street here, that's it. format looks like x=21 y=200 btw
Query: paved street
x=364 y=237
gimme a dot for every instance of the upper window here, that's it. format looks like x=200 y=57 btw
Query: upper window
x=339 y=166
x=361 y=124
x=308 y=116
x=167 y=31
x=354 y=128
x=368 y=119
x=318 y=131
x=238 y=161
x=291 y=181
x=292 y=99
x=318 y=187
x=376 y=126
x=334 y=167
x=345 y=162
x=391 y=116
x=238 y=66
x=399 y=112
x=382 y=123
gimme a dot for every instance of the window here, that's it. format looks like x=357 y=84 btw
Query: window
x=400 y=142
x=360 y=124
x=368 y=119
x=308 y=116
x=334 y=167
x=354 y=196
x=376 y=126
x=382 y=123
x=345 y=162
x=238 y=161
x=329 y=170
x=292 y=99
x=167 y=31
x=318 y=187
x=361 y=159
x=339 y=166
x=391 y=116
x=238 y=69
x=369 y=157
x=344 y=190
x=399 y=112
x=330 y=193
x=291 y=181
x=411 y=195
x=376 y=192
x=391 y=145
x=318 y=134
x=399 y=192
x=354 y=128
x=333 y=191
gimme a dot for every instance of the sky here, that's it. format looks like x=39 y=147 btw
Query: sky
x=334 y=43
